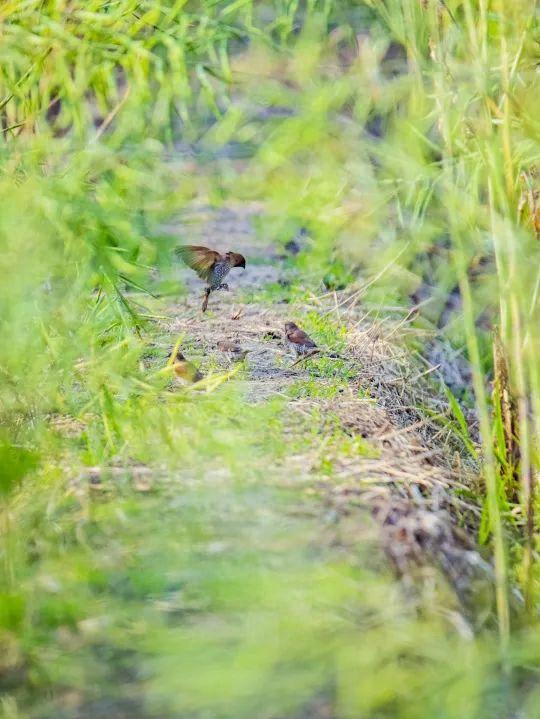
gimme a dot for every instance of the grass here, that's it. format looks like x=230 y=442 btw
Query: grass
x=313 y=388
x=154 y=560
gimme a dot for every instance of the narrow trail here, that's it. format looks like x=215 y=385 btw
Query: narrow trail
x=401 y=466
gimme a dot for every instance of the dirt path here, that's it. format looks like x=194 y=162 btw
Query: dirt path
x=256 y=326
x=397 y=458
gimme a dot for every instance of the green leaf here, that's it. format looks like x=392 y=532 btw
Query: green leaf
x=462 y=422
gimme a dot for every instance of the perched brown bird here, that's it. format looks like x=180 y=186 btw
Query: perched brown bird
x=298 y=340
x=186 y=370
x=211 y=266
x=232 y=350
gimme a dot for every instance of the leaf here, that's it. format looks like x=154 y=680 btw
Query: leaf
x=462 y=422
x=234 y=6
x=136 y=285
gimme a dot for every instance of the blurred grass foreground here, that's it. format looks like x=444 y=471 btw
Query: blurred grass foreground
x=401 y=137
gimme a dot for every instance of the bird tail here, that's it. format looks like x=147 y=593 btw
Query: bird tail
x=307 y=356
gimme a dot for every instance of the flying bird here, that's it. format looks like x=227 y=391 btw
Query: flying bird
x=232 y=350
x=211 y=266
x=299 y=341
x=186 y=370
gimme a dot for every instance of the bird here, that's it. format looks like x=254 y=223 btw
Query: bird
x=186 y=370
x=211 y=266
x=299 y=341
x=232 y=350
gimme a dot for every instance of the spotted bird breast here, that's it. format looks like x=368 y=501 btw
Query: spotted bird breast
x=300 y=349
x=220 y=271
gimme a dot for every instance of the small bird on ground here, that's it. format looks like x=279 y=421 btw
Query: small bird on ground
x=211 y=266
x=186 y=370
x=232 y=350
x=299 y=341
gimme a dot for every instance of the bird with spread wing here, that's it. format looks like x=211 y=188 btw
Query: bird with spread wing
x=211 y=266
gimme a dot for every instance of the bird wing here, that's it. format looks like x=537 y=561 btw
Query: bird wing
x=299 y=337
x=199 y=258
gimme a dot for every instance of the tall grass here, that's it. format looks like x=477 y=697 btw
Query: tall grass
x=478 y=71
